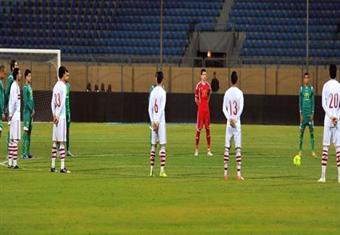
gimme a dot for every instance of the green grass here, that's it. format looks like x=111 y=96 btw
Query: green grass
x=109 y=191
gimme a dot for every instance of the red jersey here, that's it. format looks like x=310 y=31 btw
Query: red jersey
x=202 y=94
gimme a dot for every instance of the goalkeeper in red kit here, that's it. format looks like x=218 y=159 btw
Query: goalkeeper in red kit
x=202 y=97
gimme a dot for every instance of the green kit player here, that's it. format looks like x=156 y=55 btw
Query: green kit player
x=28 y=115
x=2 y=96
x=306 y=104
x=68 y=118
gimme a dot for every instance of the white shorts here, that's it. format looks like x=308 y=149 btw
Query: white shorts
x=159 y=137
x=59 y=131
x=331 y=135
x=235 y=133
x=14 y=129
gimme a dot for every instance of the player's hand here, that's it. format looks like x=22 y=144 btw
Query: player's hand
x=301 y=118
x=312 y=117
x=55 y=120
x=9 y=118
x=33 y=113
x=3 y=117
x=155 y=126
x=232 y=123
x=334 y=121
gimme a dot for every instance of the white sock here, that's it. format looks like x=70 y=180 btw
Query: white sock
x=53 y=163
x=62 y=163
x=339 y=173
x=162 y=168
x=14 y=162
x=10 y=161
x=151 y=168
x=323 y=172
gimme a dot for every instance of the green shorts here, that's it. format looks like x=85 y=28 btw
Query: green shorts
x=307 y=122
x=27 y=122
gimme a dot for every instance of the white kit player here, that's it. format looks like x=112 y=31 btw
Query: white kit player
x=331 y=133
x=14 y=120
x=232 y=108
x=59 y=120
x=156 y=110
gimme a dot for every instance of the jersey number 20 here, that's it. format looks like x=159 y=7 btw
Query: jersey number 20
x=334 y=102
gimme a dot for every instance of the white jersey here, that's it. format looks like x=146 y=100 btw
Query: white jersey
x=14 y=101
x=157 y=104
x=331 y=101
x=58 y=100
x=233 y=104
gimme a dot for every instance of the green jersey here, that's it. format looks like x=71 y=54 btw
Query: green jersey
x=67 y=102
x=28 y=99
x=2 y=98
x=8 y=88
x=306 y=100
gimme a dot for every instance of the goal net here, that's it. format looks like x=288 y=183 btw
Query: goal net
x=44 y=64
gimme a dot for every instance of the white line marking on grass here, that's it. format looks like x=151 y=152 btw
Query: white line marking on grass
x=4 y=163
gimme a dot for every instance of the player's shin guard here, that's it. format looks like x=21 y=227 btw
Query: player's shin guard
x=24 y=143
x=324 y=161
x=312 y=141
x=301 y=139
x=338 y=160
x=207 y=134
x=226 y=160
x=53 y=154
x=152 y=156
x=14 y=152
x=238 y=161
x=197 y=138
x=62 y=156
x=10 y=154
x=162 y=155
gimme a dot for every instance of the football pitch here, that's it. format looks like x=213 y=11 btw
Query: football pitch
x=109 y=190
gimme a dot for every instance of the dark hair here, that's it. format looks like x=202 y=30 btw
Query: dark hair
x=61 y=71
x=2 y=68
x=159 y=76
x=306 y=74
x=12 y=64
x=27 y=71
x=203 y=70
x=15 y=73
x=332 y=71
x=234 y=77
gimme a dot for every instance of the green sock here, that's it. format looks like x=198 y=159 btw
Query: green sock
x=24 y=144
x=28 y=144
x=301 y=139
x=312 y=140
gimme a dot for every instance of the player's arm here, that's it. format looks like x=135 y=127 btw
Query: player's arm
x=197 y=101
x=324 y=103
x=312 y=104
x=150 y=109
x=240 y=110
x=300 y=105
x=12 y=102
x=224 y=107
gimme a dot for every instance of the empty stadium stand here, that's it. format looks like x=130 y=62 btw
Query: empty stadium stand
x=129 y=27
x=278 y=28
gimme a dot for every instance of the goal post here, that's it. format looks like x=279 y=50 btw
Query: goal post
x=56 y=52
x=43 y=63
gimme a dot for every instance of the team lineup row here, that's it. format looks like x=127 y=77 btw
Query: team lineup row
x=10 y=109
x=233 y=103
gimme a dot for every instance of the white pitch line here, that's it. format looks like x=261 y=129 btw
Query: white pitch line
x=4 y=163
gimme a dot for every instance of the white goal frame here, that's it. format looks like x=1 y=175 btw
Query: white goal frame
x=57 y=52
